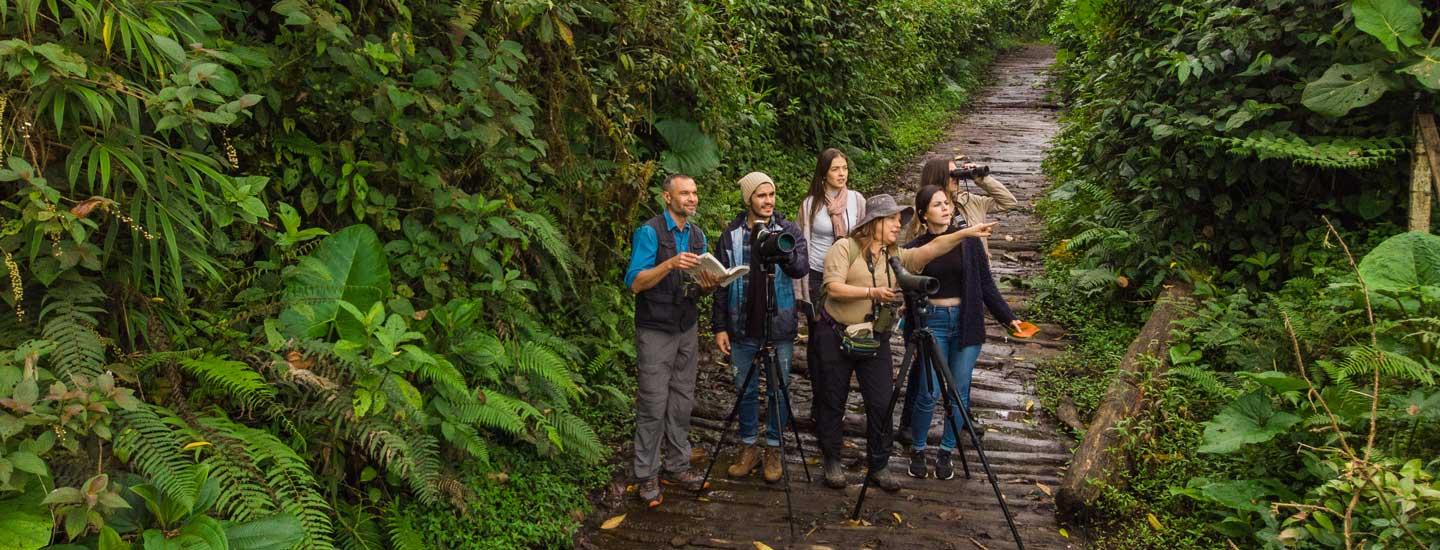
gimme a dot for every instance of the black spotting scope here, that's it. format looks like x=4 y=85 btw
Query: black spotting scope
x=770 y=244
x=910 y=282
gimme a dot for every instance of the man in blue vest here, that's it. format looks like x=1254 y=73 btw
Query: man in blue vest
x=665 y=338
x=739 y=321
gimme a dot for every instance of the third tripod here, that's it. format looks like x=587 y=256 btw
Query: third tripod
x=923 y=352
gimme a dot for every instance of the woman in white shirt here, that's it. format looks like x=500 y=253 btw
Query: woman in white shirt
x=829 y=211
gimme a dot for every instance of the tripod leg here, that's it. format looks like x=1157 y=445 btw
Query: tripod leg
x=772 y=405
x=729 y=421
x=951 y=393
x=911 y=354
x=783 y=382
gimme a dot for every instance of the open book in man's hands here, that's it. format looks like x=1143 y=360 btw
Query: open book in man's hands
x=709 y=264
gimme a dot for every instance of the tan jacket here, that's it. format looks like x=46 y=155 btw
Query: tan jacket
x=975 y=207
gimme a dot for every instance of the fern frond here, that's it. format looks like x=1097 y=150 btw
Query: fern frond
x=576 y=436
x=232 y=378
x=70 y=324
x=1334 y=153
x=261 y=475
x=357 y=529
x=148 y=442
x=543 y=229
x=403 y=535
x=1204 y=379
x=541 y=362
x=1361 y=360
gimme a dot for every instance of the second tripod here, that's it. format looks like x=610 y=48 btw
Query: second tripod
x=923 y=352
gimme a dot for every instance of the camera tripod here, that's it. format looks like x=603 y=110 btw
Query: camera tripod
x=923 y=352
x=777 y=391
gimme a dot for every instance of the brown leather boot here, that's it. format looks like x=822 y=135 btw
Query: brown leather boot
x=773 y=467
x=747 y=461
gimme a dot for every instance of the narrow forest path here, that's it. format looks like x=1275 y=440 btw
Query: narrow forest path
x=1008 y=128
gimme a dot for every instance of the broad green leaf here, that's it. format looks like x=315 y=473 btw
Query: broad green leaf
x=170 y=48
x=1405 y=262
x=110 y=540
x=26 y=461
x=349 y=265
x=66 y=61
x=1389 y=21
x=1278 y=381
x=24 y=522
x=278 y=532
x=1427 y=69
x=1248 y=420
x=203 y=532
x=1344 y=87
x=691 y=151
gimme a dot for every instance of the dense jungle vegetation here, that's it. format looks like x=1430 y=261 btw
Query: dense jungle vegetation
x=323 y=274
x=1261 y=151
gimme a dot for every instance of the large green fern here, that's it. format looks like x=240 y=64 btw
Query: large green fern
x=69 y=318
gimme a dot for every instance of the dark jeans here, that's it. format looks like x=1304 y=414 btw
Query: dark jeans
x=831 y=379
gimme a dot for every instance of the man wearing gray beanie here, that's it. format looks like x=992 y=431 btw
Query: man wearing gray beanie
x=738 y=321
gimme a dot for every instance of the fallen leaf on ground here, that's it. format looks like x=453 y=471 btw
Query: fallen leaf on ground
x=613 y=522
x=951 y=514
x=1030 y=404
x=1044 y=489
x=1154 y=522
x=1064 y=533
x=761 y=546
x=898 y=519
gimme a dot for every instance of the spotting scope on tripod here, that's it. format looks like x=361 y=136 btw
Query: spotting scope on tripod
x=923 y=352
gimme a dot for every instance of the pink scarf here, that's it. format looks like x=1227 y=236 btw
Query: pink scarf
x=836 y=206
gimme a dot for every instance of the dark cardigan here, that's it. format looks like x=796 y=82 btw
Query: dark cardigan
x=978 y=287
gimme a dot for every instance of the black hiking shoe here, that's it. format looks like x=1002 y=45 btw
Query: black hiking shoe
x=834 y=474
x=689 y=479
x=883 y=479
x=917 y=465
x=943 y=468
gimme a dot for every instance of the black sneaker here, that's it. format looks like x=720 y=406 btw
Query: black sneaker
x=917 y=465
x=943 y=468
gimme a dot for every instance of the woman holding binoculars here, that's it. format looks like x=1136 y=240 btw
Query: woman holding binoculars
x=857 y=309
x=956 y=315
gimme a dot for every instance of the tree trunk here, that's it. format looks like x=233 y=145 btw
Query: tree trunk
x=1100 y=455
x=1419 y=219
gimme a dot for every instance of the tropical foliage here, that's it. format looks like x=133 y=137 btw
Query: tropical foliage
x=310 y=273
x=1259 y=150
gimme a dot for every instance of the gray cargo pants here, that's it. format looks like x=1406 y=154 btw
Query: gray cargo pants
x=667 y=364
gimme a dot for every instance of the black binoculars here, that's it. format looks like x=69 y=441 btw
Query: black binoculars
x=974 y=172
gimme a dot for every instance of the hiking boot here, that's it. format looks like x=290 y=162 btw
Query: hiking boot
x=773 y=467
x=688 y=479
x=883 y=479
x=917 y=465
x=943 y=468
x=746 y=462
x=834 y=474
x=650 y=492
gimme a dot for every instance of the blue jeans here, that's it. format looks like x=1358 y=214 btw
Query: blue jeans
x=945 y=324
x=743 y=352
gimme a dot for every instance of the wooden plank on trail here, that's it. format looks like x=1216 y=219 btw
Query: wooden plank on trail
x=1009 y=127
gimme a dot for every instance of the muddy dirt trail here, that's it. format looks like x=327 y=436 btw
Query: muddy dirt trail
x=1008 y=128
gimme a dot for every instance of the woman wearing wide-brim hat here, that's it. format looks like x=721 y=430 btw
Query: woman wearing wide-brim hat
x=853 y=336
